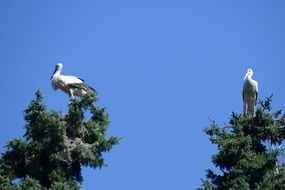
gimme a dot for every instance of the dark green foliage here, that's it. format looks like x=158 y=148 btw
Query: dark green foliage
x=56 y=146
x=247 y=151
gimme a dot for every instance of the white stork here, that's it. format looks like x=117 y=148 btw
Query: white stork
x=71 y=85
x=249 y=93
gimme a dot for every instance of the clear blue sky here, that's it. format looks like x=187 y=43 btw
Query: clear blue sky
x=161 y=67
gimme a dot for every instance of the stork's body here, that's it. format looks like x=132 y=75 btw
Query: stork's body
x=250 y=93
x=71 y=85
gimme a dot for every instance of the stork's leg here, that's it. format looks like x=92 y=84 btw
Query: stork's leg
x=71 y=96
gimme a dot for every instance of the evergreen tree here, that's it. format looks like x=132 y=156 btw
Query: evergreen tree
x=55 y=146
x=249 y=149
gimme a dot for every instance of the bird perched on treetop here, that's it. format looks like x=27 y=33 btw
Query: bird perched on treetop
x=249 y=93
x=71 y=85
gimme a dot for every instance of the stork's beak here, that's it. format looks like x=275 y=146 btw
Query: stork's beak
x=247 y=73
x=52 y=74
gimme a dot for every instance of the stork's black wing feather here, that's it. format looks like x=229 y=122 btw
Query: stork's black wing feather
x=256 y=95
x=81 y=79
x=81 y=86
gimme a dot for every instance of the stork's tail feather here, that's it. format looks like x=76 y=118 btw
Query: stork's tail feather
x=91 y=89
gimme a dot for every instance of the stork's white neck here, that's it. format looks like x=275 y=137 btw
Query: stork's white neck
x=248 y=77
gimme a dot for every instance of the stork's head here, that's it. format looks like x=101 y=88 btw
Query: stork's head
x=249 y=73
x=57 y=69
x=58 y=66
